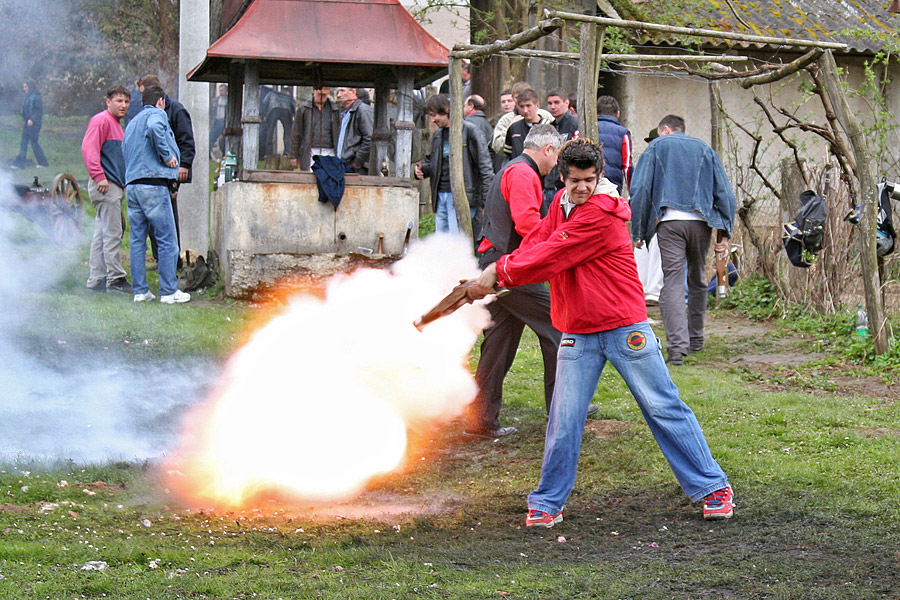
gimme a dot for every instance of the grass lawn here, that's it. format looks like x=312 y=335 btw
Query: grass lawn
x=815 y=474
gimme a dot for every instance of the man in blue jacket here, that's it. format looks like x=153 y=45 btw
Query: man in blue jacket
x=615 y=140
x=680 y=192
x=151 y=169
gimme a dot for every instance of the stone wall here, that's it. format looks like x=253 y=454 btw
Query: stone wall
x=267 y=229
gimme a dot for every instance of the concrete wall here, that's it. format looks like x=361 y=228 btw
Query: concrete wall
x=645 y=100
x=193 y=198
x=263 y=231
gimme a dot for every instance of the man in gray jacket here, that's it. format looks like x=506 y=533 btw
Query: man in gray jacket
x=355 y=134
x=680 y=192
x=477 y=169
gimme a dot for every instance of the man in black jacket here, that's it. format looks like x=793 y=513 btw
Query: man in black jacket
x=180 y=122
x=355 y=134
x=527 y=104
x=474 y=113
x=567 y=125
x=477 y=169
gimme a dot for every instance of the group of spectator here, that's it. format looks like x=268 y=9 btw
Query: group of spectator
x=538 y=216
x=146 y=162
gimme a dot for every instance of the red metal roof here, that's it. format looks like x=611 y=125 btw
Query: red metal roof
x=333 y=42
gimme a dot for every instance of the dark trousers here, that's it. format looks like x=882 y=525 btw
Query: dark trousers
x=153 y=247
x=30 y=135
x=683 y=244
x=215 y=132
x=524 y=305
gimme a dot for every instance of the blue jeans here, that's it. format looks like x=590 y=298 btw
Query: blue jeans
x=445 y=214
x=149 y=205
x=635 y=353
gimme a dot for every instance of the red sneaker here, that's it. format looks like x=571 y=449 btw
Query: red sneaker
x=719 y=504
x=538 y=518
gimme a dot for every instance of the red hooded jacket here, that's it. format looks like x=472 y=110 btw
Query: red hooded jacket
x=589 y=261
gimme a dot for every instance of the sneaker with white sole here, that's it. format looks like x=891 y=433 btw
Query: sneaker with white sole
x=538 y=518
x=719 y=504
x=177 y=297
x=145 y=297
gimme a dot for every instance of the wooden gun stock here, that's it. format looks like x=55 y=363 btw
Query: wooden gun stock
x=457 y=298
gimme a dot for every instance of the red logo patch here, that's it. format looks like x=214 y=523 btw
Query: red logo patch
x=636 y=340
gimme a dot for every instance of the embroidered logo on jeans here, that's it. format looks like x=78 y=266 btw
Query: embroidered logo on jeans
x=567 y=342
x=636 y=340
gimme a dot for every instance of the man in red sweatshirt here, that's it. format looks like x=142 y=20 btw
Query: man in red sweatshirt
x=583 y=248
x=105 y=162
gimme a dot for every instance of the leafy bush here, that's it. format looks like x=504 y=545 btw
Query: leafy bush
x=755 y=297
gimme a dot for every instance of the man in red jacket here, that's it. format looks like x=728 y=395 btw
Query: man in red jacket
x=102 y=153
x=583 y=248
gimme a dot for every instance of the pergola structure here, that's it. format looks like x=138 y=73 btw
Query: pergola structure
x=353 y=43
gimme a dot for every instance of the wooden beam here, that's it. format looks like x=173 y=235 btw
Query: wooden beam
x=520 y=39
x=587 y=82
x=404 y=125
x=233 y=109
x=550 y=54
x=457 y=178
x=250 y=119
x=725 y=35
x=381 y=136
x=868 y=256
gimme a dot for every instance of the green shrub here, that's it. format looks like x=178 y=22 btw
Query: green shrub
x=755 y=296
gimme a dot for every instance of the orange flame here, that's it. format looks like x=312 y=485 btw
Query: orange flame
x=318 y=402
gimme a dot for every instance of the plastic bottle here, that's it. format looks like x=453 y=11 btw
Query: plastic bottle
x=862 y=321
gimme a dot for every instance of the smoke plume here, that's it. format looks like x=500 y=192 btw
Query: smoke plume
x=89 y=408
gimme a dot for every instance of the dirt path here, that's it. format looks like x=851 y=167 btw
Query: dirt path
x=788 y=361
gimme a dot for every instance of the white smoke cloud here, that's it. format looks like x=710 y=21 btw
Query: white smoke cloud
x=90 y=408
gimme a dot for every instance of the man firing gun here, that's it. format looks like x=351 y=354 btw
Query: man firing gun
x=583 y=248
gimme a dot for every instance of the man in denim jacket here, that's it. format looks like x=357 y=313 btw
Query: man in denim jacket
x=680 y=192
x=151 y=170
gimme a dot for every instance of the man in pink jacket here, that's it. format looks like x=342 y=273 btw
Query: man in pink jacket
x=583 y=248
x=105 y=162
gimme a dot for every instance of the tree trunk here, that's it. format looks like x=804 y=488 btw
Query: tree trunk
x=868 y=201
x=457 y=179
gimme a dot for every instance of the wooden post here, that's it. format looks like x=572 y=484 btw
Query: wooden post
x=457 y=179
x=868 y=256
x=404 y=125
x=233 y=111
x=250 y=117
x=381 y=137
x=587 y=82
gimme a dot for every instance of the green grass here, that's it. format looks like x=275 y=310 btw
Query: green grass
x=816 y=490
x=61 y=140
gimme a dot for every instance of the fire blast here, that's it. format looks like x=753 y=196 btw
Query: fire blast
x=318 y=402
